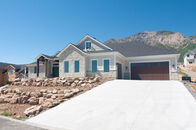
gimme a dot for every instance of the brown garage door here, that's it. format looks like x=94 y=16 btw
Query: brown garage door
x=150 y=71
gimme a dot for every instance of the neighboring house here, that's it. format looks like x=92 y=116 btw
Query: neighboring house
x=190 y=57
x=9 y=72
x=89 y=57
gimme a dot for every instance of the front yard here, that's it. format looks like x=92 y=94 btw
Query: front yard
x=28 y=97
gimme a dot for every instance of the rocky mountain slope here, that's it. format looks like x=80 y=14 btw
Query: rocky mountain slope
x=163 y=39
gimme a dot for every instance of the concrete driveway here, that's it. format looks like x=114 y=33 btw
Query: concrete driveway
x=126 y=105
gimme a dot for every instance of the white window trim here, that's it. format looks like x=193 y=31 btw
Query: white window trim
x=92 y=65
x=109 y=64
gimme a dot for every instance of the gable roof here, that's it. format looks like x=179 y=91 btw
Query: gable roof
x=49 y=57
x=135 y=48
x=92 y=38
x=68 y=47
x=192 y=51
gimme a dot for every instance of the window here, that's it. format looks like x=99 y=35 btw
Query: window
x=10 y=71
x=106 y=65
x=35 y=69
x=153 y=64
x=77 y=65
x=94 y=66
x=66 y=66
x=87 y=45
x=164 y=63
x=187 y=55
x=143 y=65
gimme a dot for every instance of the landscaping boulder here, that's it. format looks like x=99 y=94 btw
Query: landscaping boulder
x=31 y=111
x=69 y=95
x=41 y=100
x=14 y=100
x=48 y=103
x=73 y=84
x=33 y=101
x=2 y=99
x=23 y=99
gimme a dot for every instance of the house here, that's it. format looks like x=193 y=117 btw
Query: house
x=90 y=57
x=190 y=57
x=9 y=72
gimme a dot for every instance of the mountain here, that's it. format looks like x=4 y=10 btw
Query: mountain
x=163 y=39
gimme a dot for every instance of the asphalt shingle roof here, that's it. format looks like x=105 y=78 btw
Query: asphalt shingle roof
x=192 y=51
x=135 y=48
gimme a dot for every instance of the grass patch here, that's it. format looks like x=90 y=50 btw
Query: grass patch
x=182 y=73
x=18 y=118
x=6 y=114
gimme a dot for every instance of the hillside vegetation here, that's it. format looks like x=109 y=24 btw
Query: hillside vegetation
x=172 y=41
x=181 y=50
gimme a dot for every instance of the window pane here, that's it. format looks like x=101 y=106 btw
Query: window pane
x=35 y=69
x=88 y=45
x=11 y=71
x=94 y=65
x=66 y=66
x=77 y=66
x=106 y=66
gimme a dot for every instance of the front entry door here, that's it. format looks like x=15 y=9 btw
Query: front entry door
x=119 y=71
x=55 y=71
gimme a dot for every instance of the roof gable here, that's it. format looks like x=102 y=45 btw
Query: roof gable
x=96 y=43
x=67 y=47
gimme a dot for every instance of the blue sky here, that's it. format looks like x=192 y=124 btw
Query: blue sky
x=31 y=27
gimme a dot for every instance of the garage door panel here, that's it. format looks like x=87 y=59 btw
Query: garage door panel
x=150 y=71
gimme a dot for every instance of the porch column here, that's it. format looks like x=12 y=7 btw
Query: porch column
x=46 y=68
x=38 y=68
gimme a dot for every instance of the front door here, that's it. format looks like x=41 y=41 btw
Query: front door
x=119 y=71
x=55 y=71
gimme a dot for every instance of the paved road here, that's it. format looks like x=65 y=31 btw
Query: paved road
x=11 y=124
x=126 y=105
